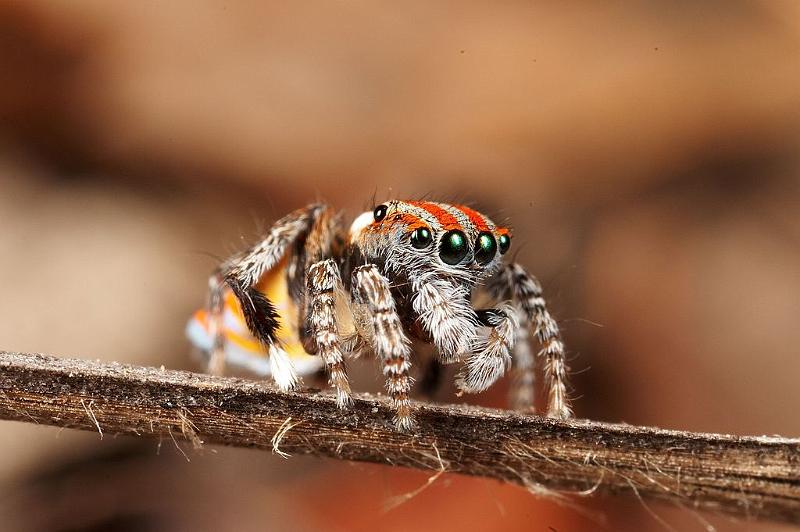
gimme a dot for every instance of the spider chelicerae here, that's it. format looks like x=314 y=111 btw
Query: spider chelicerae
x=312 y=291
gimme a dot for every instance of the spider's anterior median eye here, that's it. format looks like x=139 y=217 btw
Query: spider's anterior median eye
x=380 y=212
x=454 y=247
x=505 y=242
x=485 y=248
x=421 y=238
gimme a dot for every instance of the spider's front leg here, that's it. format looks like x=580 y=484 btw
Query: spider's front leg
x=527 y=294
x=323 y=281
x=390 y=343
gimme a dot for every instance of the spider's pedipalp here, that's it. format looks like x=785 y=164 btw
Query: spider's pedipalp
x=323 y=281
x=491 y=355
x=445 y=313
x=391 y=345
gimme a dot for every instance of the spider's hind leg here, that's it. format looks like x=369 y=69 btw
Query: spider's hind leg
x=262 y=317
x=242 y=274
x=215 y=307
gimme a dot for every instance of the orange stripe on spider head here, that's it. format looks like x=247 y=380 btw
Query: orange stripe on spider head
x=445 y=219
x=475 y=217
x=503 y=231
x=411 y=221
x=407 y=219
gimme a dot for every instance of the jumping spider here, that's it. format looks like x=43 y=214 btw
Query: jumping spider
x=408 y=269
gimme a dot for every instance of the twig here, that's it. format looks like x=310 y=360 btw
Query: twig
x=756 y=477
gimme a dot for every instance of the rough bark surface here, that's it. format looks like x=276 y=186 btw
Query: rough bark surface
x=753 y=477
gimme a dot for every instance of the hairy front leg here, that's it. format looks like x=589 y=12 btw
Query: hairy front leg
x=391 y=345
x=528 y=294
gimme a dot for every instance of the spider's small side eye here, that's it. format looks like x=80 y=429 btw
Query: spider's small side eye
x=380 y=212
x=454 y=247
x=505 y=242
x=485 y=248
x=421 y=238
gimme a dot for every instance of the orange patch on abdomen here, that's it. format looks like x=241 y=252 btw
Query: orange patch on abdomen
x=273 y=285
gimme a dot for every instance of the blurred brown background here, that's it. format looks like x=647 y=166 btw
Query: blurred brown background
x=645 y=153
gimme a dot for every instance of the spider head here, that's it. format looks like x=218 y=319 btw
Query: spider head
x=421 y=238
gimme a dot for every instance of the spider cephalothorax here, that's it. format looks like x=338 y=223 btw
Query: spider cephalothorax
x=408 y=269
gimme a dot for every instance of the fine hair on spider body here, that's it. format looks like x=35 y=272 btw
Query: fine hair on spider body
x=313 y=291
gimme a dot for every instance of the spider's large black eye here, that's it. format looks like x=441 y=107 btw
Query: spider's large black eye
x=454 y=247
x=421 y=238
x=505 y=242
x=485 y=248
x=380 y=212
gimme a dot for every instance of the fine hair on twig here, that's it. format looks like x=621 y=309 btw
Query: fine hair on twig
x=749 y=477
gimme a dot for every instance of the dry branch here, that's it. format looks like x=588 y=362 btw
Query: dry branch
x=756 y=477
